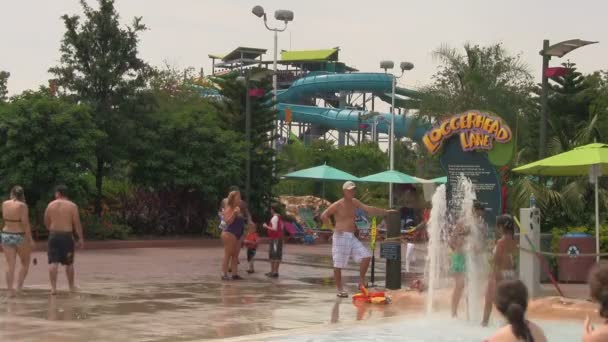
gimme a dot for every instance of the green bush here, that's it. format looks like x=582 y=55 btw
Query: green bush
x=213 y=228
x=96 y=228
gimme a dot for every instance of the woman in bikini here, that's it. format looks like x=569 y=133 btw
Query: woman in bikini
x=598 y=286
x=16 y=238
x=512 y=302
x=503 y=266
x=231 y=236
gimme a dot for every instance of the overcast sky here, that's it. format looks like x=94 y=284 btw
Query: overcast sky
x=184 y=32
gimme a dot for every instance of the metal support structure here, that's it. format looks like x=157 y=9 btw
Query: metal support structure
x=248 y=138
x=274 y=87
x=393 y=267
x=285 y=16
x=544 y=98
x=391 y=141
x=597 y=220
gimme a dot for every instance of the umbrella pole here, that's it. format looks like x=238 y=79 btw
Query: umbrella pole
x=597 y=221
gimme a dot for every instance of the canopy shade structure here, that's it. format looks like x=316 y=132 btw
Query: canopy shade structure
x=322 y=172
x=392 y=176
x=576 y=162
x=585 y=160
x=310 y=55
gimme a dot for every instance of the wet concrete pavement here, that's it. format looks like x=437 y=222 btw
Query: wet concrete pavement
x=174 y=294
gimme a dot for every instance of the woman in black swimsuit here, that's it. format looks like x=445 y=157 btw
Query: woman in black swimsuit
x=231 y=236
x=16 y=238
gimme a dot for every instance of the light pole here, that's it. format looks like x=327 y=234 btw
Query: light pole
x=245 y=81
x=557 y=50
x=404 y=66
x=285 y=16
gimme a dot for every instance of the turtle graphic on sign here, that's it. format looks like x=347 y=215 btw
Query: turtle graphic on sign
x=573 y=251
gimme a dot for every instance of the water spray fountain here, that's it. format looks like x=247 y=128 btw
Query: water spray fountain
x=437 y=271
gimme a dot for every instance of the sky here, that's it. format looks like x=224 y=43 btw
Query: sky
x=183 y=32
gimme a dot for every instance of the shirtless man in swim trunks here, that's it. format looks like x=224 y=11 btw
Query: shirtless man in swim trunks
x=62 y=220
x=344 y=243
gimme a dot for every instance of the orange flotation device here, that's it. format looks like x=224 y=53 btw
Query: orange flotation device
x=370 y=297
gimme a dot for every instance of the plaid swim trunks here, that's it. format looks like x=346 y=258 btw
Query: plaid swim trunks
x=346 y=245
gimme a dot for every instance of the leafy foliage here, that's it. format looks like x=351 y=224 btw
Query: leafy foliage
x=4 y=75
x=102 y=228
x=361 y=160
x=484 y=77
x=100 y=66
x=232 y=110
x=45 y=141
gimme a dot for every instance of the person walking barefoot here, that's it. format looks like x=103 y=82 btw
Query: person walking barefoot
x=275 y=234
x=231 y=236
x=17 y=238
x=62 y=220
x=344 y=243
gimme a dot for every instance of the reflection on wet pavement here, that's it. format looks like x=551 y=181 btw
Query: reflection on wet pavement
x=174 y=312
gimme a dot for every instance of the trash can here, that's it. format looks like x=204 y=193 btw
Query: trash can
x=574 y=268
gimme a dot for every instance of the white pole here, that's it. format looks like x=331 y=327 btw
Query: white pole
x=391 y=142
x=597 y=220
x=274 y=87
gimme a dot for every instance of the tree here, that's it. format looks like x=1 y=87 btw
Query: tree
x=4 y=75
x=100 y=66
x=45 y=141
x=186 y=154
x=578 y=113
x=569 y=107
x=232 y=110
x=484 y=77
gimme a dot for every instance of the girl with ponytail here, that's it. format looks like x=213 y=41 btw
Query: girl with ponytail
x=512 y=301
x=598 y=285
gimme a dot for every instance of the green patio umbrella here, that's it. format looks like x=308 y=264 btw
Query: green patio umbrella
x=585 y=160
x=323 y=172
x=392 y=176
x=440 y=180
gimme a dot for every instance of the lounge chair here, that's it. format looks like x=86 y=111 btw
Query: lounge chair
x=308 y=218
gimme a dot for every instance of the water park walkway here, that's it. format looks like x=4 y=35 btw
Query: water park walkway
x=174 y=294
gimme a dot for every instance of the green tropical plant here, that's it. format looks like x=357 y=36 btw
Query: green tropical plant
x=4 y=75
x=45 y=141
x=100 y=66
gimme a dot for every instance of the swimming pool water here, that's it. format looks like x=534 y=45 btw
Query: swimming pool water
x=425 y=329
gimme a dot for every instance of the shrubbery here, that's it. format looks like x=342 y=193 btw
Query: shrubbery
x=96 y=228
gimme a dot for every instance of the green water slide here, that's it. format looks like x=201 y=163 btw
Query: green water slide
x=320 y=85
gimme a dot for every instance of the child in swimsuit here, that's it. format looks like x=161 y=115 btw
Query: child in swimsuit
x=503 y=265
x=458 y=265
x=251 y=243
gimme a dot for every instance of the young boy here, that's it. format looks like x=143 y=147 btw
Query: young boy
x=275 y=234
x=251 y=243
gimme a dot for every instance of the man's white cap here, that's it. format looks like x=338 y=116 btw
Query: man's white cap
x=348 y=185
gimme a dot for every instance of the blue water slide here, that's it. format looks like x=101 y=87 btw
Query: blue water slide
x=320 y=85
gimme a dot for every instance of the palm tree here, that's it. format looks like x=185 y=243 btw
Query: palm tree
x=483 y=77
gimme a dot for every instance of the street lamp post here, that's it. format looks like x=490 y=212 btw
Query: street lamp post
x=557 y=50
x=245 y=80
x=285 y=16
x=404 y=66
